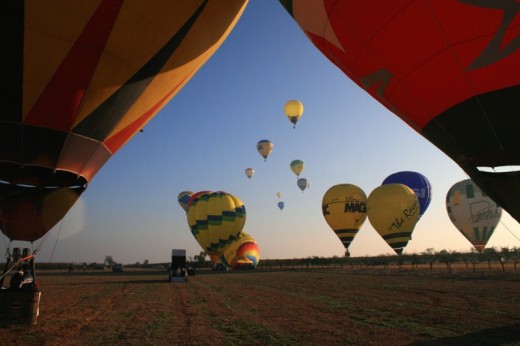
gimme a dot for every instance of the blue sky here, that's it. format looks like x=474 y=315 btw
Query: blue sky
x=206 y=136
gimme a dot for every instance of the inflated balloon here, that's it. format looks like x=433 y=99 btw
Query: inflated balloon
x=279 y=194
x=344 y=207
x=281 y=205
x=81 y=78
x=473 y=213
x=264 y=147
x=297 y=167
x=407 y=54
x=293 y=110
x=183 y=198
x=242 y=251
x=415 y=181
x=250 y=172
x=303 y=183
x=215 y=220
x=393 y=211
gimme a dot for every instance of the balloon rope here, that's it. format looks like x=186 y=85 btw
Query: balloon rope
x=503 y=224
x=56 y=242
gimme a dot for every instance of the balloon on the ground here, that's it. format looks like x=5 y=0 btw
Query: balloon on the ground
x=393 y=211
x=293 y=110
x=281 y=205
x=344 y=207
x=408 y=54
x=474 y=213
x=249 y=172
x=415 y=181
x=264 y=148
x=79 y=80
x=215 y=220
x=242 y=252
x=303 y=183
x=183 y=198
x=297 y=167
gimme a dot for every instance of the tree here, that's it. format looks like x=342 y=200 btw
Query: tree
x=200 y=259
x=447 y=258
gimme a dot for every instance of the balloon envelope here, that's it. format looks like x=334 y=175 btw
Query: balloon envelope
x=183 y=198
x=393 y=211
x=279 y=194
x=415 y=181
x=344 y=208
x=303 y=183
x=293 y=110
x=242 y=251
x=297 y=167
x=473 y=213
x=249 y=172
x=264 y=147
x=215 y=220
x=281 y=205
x=81 y=79
x=407 y=54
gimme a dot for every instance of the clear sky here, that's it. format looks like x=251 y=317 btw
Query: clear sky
x=206 y=137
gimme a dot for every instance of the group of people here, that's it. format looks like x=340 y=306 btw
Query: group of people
x=22 y=279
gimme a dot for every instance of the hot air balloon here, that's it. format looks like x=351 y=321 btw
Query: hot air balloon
x=279 y=194
x=344 y=207
x=183 y=198
x=215 y=220
x=415 y=181
x=473 y=213
x=243 y=252
x=293 y=110
x=407 y=54
x=281 y=205
x=81 y=79
x=303 y=183
x=393 y=211
x=297 y=167
x=264 y=147
x=250 y=172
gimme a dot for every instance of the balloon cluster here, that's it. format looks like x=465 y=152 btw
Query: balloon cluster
x=393 y=208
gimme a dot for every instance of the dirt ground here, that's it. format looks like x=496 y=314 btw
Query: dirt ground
x=277 y=307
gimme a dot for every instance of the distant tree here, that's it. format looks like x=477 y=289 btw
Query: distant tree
x=109 y=261
x=490 y=254
x=200 y=259
x=429 y=255
x=145 y=262
x=504 y=257
x=514 y=255
x=447 y=258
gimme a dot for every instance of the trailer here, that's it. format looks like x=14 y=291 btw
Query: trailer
x=178 y=272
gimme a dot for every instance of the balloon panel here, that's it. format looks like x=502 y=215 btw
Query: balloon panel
x=344 y=208
x=417 y=182
x=183 y=198
x=467 y=47
x=243 y=249
x=79 y=87
x=393 y=211
x=473 y=213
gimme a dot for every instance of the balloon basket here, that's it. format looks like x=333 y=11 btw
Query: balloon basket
x=19 y=307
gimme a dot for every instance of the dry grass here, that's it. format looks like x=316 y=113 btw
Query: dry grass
x=329 y=306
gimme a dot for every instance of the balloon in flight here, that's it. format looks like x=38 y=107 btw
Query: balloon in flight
x=82 y=78
x=297 y=167
x=344 y=208
x=215 y=220
x=415 y=181
x=293 y=110
x=183 y=198
x=250 y=172
x=281 y=205
x=303 y=183
x=279 y=194
x=264 y=148
x=393 y=211
x=473 y=213
x=408 y=54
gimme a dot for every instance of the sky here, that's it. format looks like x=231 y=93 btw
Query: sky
x=206 y=137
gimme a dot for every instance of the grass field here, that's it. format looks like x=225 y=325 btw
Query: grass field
x=329 y=306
